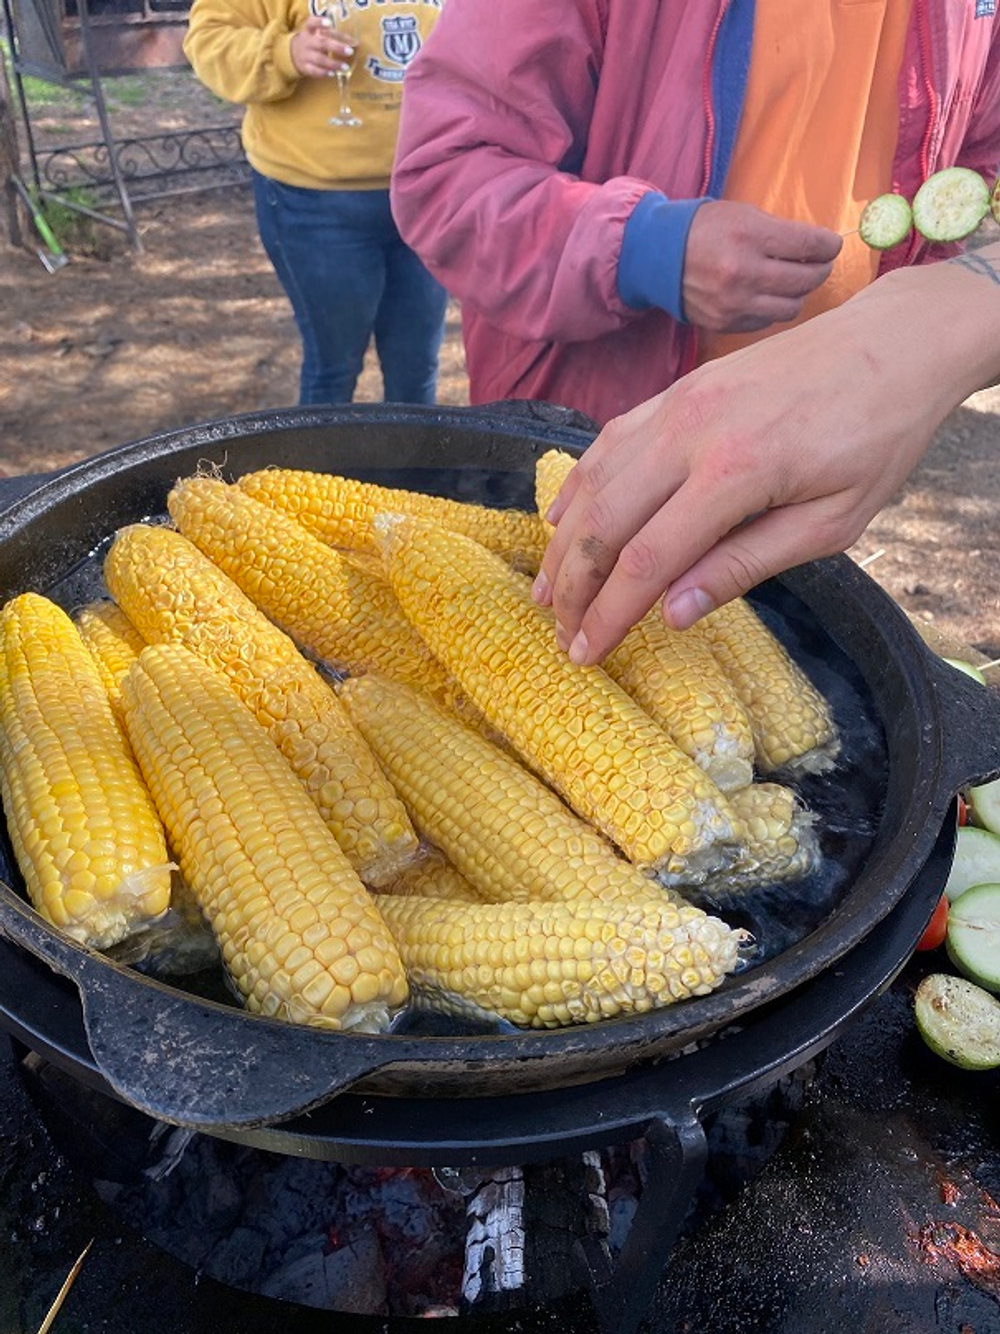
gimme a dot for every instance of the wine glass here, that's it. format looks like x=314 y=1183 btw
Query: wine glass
x=344 y=16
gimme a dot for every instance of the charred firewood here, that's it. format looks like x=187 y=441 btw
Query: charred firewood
x=525 y=1225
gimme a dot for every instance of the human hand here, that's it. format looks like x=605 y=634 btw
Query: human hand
x=745 y=269
x=779 y=453
x=319 y=50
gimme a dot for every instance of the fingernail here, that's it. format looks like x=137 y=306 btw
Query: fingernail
x=541 y=589
x=326 y=23
x=562 y=638
x=688 y=607
x=348 y=50
x=341 y=67
x=579 y=649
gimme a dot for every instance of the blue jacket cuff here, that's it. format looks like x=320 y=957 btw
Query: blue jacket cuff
x=651 y=263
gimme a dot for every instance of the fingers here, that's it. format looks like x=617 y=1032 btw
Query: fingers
x=745 y=270
x=613 y=490
x=622 y=534
x=765 y=546
x=799 y=242
x=598 y=522
x=319 y=51
x=661 y=551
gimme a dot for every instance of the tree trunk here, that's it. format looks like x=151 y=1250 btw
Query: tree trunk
x=10 y=161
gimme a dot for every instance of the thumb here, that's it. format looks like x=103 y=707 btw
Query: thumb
x=804 y=241
x=765 y=546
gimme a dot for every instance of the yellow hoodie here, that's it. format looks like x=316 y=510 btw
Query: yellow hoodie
x=241 y=50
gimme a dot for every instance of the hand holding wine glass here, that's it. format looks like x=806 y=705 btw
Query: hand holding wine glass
x=318 y=50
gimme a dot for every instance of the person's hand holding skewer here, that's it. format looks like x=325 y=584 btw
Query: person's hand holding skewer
x=745 y=269
x=319 y=51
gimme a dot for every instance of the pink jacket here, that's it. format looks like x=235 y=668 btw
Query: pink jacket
x=531 y=130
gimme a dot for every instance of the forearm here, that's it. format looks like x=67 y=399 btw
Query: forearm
x=241 y=53
x=937 y=325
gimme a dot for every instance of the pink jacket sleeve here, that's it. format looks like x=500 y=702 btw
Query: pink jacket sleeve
x=981 y=146
x=487 y=187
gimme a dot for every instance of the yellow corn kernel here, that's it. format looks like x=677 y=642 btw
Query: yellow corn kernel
x=544 y=965
x=342 y=512
x=791 y=721
x=433 y=877
x=174 y=594
x=342 y=611
x=113 y=641
x=573 y=725
x=551 y=470
x=675 y=678
x=83 y=826
x=780 y=841
x=299 y=933
x=503 y=829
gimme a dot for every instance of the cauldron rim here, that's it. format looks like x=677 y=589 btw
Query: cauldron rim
x=941 y=704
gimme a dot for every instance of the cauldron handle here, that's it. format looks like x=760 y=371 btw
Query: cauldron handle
x=188 y=1061
x=535 y=412
x=970 y=726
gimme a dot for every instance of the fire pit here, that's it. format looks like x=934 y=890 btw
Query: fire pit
x=488 y=1100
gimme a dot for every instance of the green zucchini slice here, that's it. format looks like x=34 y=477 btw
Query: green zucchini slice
x=951 y=204
x=885 y=221
x=973 y=936
x=959 y=1021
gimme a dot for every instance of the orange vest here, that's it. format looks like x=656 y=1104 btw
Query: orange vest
x=818 y=132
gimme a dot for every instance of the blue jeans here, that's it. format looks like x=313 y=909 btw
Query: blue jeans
x=349 y=274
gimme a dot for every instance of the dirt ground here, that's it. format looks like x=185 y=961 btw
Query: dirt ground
x=120 y=344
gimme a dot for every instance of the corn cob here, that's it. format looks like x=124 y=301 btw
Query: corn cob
x=543 y=965
x=341 y=511
x=113 y=641
x=781 y=842
x=83 y=827
x=791 y=721
x=433 y=877
x=673 y=676
x=573 y=725
x=551 y=470
x=342 y=612
x=503 y=829
x=300 y=935
x=172 y=593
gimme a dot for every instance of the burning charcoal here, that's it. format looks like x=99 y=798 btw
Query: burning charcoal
x=350 y=1279
x=421 y=1228
x=494 y=1253
x=238 y=1257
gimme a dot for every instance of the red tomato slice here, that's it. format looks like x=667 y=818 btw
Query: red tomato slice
x=937 y=927
x=963 y=810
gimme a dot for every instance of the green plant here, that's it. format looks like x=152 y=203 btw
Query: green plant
x=130 y=90
x=72 y=229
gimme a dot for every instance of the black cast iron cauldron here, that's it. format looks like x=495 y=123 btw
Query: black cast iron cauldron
x=194 y=1062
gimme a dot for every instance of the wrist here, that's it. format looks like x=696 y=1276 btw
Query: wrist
x=948 y=314
x=651 y=263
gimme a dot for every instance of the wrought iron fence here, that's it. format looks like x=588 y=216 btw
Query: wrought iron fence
x=78 y=44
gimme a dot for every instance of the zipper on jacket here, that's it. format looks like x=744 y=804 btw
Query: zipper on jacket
x=926 y=45
x=706 y=97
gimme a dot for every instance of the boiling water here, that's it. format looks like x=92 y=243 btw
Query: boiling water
x=846 y=801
